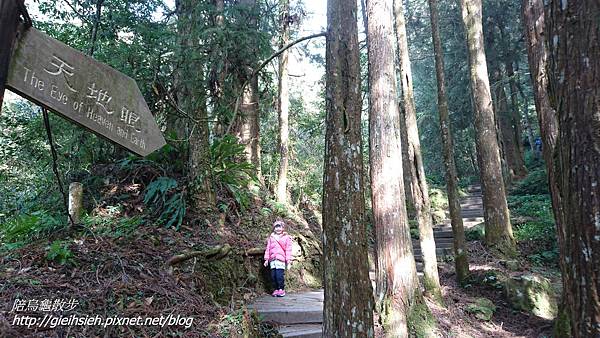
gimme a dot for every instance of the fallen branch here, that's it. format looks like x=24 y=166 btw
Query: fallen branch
x=254 y=252
x=215 y=253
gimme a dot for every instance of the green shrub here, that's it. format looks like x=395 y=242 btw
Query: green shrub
x=59 y=252
x=162 y=194
x=535 y=231
x=232 y=172
x=536 y=206
x=26 y=228
x=112 y=226
x=476 y=233
x=536 y=183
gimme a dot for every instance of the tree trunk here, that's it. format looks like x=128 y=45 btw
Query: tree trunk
x=217 y=74
x=193 y=101
x=95 y=27
x=514 y=167
x=573 y=37
x=498 y=230
x=247 y=126
x=415 y=170
x=75 y=201
x=397 y=281
x=461 y=261
x=9 y=19
x=520 y=168
x=530 y=137
x=283 y=104
x=348 y=305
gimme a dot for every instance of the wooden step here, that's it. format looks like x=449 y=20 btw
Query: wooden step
x=438 y=241
x=294 y=308
x=301 y=331
x=471 y=206
x=440 y=252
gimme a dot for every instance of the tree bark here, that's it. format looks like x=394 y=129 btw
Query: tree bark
x=573 y=39
x=217 y=72
x=461 y=260
x=397 y=281
x=521 y=169
x=193 y=100
x=283 y=104
x=515 y=167
x=95 y=27
x=9 y=19
x=247 y=125
x=415 y=170
x=498 y=230
x=75 y=201
x=348 y=303
x=530 y=137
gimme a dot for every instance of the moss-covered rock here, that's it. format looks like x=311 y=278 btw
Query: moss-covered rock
x=532 y=293
x=482 y=308
x=476 y=233
x=421 y=322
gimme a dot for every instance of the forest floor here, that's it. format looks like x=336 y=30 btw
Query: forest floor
x=453 y=320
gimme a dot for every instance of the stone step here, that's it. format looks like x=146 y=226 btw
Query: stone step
x=301 y=331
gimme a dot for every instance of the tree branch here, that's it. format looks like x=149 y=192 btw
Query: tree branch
x=81 y=16
x=261 y=66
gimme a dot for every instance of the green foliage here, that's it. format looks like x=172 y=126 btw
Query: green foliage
x=481 y=308
x=26 y=228
x=245 y=323
x=112 y=226
x=59 y=252
x=545 y=257
x=537 y=228
x=162 y=195
x=536 y=183
x=420 y=321
x=231 y=170
x=475 y=233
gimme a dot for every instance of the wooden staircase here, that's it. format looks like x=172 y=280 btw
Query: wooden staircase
x=300 y=315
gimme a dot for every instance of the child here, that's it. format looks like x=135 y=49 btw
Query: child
x=278 y=254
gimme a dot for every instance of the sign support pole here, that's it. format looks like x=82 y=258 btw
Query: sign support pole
x=9 y=21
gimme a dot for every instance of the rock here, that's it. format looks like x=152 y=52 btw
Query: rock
x=475 y=233
x=481 y=308
x=512 y=264
x=438 y=216
x=532 y=293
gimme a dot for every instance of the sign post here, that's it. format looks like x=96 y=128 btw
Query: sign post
x=83 y=90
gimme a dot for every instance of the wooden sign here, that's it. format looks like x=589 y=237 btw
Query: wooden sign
x=83 y=90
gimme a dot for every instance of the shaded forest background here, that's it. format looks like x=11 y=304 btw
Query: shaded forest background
x=214 y=185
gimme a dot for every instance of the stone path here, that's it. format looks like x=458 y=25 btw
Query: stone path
x=300 y=315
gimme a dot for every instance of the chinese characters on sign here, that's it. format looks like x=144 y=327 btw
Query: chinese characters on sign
x=83 y=90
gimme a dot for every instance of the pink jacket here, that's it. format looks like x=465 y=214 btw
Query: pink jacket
x=279 y=249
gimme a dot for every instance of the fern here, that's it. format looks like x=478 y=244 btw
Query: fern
x=162 y=195
x=231 y=170
x=158 y=189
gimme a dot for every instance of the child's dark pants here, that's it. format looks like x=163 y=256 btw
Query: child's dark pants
x=277 y=275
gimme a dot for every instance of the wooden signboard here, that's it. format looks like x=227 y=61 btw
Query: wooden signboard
x=83 y=90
